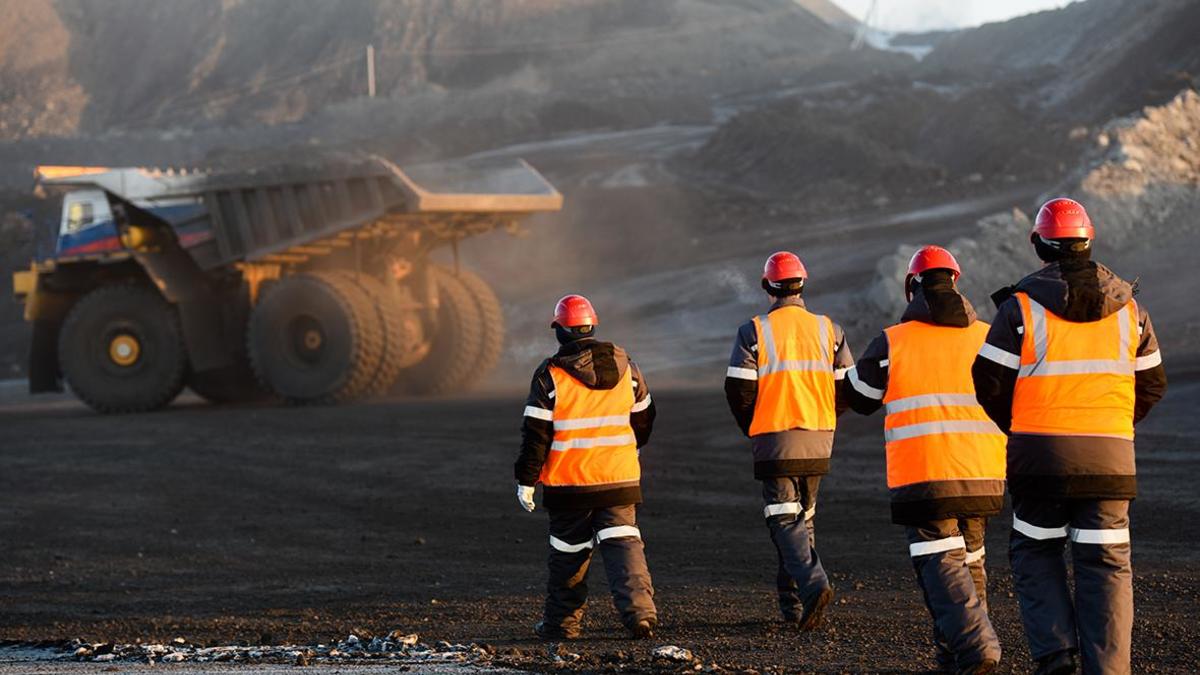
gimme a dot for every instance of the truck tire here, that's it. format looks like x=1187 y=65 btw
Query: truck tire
x=235 y=383
x=122 y=350
x=454 y=345
x=314 y=339
x=492 y=316
x=400 y=331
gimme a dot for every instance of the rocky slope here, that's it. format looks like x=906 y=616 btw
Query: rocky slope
x=1091 y=60
x=1010 y=102
x=682 y=131
x=133 y=64
x=38 y=96
x=880 y=140
x=1141 y=185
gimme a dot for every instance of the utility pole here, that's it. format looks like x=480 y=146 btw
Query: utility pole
x=371 y=71
x=864 y=26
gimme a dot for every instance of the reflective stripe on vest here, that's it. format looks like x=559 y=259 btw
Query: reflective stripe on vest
x=935 y=429
x=1075 y=378
x=593 y=442
x=796 y=381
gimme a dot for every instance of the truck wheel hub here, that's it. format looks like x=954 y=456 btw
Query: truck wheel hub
x=308 y=338
x=124 y=350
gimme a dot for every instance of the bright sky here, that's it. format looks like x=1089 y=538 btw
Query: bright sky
x=921 y=15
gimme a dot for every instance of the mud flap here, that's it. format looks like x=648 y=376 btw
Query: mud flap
x=44 y=372
x=203 y=332
x=181 y=281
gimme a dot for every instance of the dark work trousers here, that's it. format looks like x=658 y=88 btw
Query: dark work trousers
x=791 y=504
x=1099 y=621
x=573 y=535
x=948 y=557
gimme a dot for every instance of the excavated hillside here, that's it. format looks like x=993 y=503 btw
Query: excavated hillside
x=1140 y=181
x=1092 y=60
x=879 y=141
x=1005 y=103
x=133 y=64
x=38 y=96
x=676 y=129
x=207 y=82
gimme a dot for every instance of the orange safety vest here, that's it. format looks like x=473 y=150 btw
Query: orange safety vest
x=935 y=428
x=594 y=443
x=1076 y=379
x=795 y=372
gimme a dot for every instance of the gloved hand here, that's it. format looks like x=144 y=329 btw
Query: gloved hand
x=525 y=497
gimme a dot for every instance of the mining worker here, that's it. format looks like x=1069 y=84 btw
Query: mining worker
x=1070 y=364
x=945 y=458
x=781 y=385
x=588 y=414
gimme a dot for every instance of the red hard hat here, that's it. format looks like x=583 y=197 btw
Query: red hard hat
x=932 y=258
x=929 y=258
x=1063 y=218
x=573 y=311
x=782 y=266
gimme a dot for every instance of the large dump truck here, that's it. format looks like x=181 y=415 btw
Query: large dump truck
x=313 y=284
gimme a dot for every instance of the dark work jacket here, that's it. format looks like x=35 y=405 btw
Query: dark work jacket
x=1062 y=467
x=598 y=365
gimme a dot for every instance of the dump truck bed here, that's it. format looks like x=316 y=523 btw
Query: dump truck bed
x=229 y=216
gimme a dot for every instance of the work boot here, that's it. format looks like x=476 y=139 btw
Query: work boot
x=643 y=629
x=945 y=660
x=1058 y=663
x=981 y=668
x=547 y=632
x=814 y=609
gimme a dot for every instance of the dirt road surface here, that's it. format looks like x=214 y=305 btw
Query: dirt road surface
x=268 y=525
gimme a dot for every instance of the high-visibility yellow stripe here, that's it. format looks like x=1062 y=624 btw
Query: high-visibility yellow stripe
x=930 y=401
x=539 y=413
x=1116 y=536
x=1151 y=360
x=617 y=532
x=974 y=556
x=862 y=387
x=600 y=441
x=944 y=427
x=921 y=548
x=997 y=355
x=560 y=545
x=1036 y=532
x=591 y=422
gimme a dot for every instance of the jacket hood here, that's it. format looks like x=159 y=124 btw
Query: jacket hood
x=598 y=365
x=787 y=301
x=1077 y=290
x=940 y=305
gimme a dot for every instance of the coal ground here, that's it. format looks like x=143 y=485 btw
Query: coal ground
x=271 y=524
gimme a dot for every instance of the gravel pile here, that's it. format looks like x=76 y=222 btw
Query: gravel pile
x=1145 y=173
x=395 y=646
x=1141 y=185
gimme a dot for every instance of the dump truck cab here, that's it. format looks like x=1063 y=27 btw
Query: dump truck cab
x=87 y=224
x=310 y=283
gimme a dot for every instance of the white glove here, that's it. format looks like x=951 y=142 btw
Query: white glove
x=525 y=497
